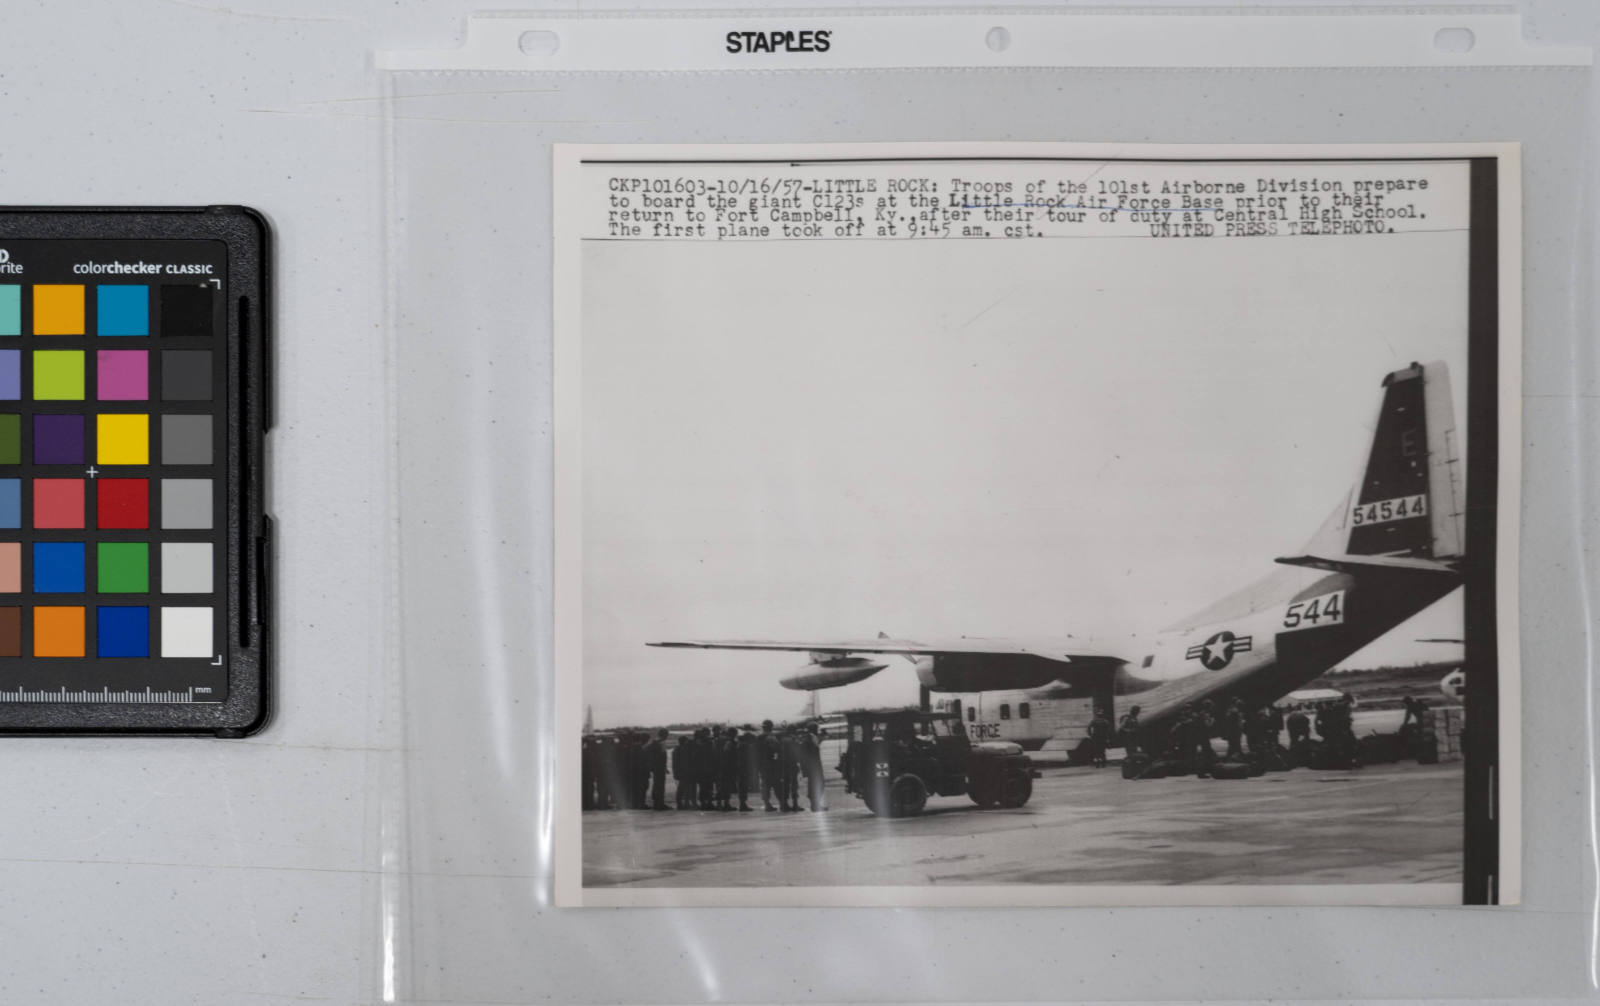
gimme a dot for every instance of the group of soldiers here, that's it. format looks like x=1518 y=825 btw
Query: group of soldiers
x=710 y=769
x=1251 y=733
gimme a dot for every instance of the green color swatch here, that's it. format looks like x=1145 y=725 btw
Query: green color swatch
x=124 y=567
x=58 y=375
x=10 y=440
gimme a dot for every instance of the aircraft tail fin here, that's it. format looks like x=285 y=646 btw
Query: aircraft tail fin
x=1408 y=500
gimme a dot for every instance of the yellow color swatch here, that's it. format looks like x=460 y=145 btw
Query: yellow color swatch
x=57 y=309
x=122 y=440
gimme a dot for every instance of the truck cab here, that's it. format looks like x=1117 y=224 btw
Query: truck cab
x=896 y=758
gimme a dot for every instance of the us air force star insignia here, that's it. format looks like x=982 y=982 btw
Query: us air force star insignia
x=1217 y=652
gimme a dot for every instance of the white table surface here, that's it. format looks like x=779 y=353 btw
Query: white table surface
x=193 y=870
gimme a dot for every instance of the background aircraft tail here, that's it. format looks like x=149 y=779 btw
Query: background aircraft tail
x=1408 y=500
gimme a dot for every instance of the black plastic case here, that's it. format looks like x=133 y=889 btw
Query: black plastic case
x=241 y=533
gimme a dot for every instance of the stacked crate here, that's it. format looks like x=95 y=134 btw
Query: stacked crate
x=1447 y=733
x=1440 y=738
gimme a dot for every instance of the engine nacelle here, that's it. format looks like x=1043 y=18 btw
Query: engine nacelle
x=831 y=670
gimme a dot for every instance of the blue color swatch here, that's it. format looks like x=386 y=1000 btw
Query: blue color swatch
x=58 y=567
x=10 y=374
x=10 y=503
x=123 y=310
x=122 y=632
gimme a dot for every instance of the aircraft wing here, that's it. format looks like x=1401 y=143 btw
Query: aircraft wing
x=1372 y=563
x=1064 y=651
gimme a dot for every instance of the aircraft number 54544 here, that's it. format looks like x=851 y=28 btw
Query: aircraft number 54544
x=1383 y=511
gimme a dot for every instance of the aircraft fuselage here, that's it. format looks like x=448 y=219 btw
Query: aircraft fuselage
x=1268 y=649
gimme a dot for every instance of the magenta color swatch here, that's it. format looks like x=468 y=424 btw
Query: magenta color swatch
x=124 y=375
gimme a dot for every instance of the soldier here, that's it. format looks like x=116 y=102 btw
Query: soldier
x=1413 y=715
x=1256 y=726
x=1178 y=735
x=713 y=776
x=811 y=764
x=683 y=772
x=1232 y=727
x=705 y=768
x=728 y=772
x=639 y=741
x=1129 y=729
x=789 y=770
x=1299 y=735
x=627 y=772
x=605 y=773
x=1205 y=727
x=621 y=787
x=1345 y=730
x=1412 y=737
x=1274 y=725
x=1099 y=737
x=1332 y=733
x=588 y=773
x=748 y=766
x=1252 y=725
x=655 y=763
x=1179 y=745
x=768 y=755
x=1188 y=731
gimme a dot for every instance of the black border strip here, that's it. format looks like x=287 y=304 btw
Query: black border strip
x=1481 y=741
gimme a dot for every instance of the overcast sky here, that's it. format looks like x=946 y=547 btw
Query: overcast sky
x=819 y=440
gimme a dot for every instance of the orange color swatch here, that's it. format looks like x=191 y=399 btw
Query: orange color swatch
x=58 y=631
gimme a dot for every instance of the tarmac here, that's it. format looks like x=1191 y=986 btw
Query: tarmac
x=1385 y=824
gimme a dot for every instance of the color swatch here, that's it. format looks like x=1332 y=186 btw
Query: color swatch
x=109 y=488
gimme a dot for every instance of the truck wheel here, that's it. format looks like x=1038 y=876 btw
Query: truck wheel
x=907 y=796
x=982 y=792
x=1016 y=789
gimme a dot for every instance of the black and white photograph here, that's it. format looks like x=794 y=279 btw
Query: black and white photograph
x=1022 y=524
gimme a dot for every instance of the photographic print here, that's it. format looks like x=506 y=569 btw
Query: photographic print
x=1035 y=524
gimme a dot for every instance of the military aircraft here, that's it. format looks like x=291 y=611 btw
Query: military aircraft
x=1453 y=685
x=1392 y=546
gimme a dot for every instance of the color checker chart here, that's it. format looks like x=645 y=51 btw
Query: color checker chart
x=132 y=539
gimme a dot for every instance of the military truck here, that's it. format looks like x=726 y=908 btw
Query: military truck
x=895 y=759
